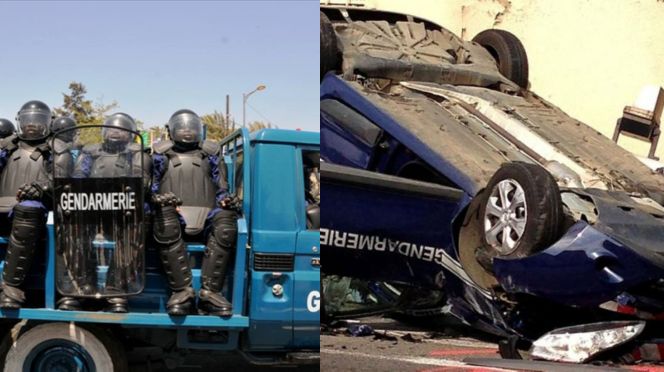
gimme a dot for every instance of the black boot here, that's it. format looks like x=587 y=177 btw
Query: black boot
x=174 y=258
x=181 y=302
x=117 y=304
x=26 y=233
x=69 y=304
x=213 y=303
x=215 y=265
x=11 y=297
x=176 y=264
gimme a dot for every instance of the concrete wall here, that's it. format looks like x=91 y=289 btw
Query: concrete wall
x=589 y=57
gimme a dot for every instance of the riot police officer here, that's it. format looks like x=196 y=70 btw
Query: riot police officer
x=62 y=123
x=25 y=178
x=188 y=171
x=102 y=161
x=63 y=141
x=115 y=157
x=6 y=128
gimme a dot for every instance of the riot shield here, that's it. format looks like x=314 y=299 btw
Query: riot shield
x=99 y=183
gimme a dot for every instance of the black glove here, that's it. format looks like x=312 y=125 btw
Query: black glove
x=166 y=199
x=31 y=191
x=231 y=202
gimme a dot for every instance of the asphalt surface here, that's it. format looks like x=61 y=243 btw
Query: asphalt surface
x=395 y=346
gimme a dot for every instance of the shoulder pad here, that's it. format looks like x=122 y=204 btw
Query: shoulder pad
x=162 y=146
x=134 y=147
x=210 y=147
x=91 y=149
x=9 y=143
x=60 y=146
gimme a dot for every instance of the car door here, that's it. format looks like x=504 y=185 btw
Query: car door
x=383 y=227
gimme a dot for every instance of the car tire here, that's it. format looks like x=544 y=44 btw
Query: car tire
x=520 y=211
x=329 y=54
x=44 y=346
x=509 y=53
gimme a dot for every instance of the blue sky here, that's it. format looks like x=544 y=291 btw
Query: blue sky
x=154 y=57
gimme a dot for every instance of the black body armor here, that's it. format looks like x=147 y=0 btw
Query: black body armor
x=26 y=164
x=187 y=175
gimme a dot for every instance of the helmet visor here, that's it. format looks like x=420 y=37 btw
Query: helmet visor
x=33 y=125
x=185 y=128
x=116 y=135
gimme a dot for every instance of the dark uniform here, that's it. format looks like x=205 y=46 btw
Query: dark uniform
x=117 y=156
x=189 y=172
x=25 y=160
x=59 y=128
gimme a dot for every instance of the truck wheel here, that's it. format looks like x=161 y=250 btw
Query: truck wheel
x=6 y=340
x=64 y=347
x=329 y=55
x=509 y=53
x=521 y=211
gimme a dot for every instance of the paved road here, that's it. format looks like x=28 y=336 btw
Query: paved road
x=400 y=347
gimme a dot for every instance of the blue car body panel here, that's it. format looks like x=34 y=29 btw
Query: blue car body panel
x=588 y=266
x=583 y=268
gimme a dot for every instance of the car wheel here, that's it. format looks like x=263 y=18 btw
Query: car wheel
x=521 y=211
x=64 y=346
x=509 y=53
x=329 y=55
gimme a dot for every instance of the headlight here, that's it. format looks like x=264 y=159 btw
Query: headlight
x=577 y=344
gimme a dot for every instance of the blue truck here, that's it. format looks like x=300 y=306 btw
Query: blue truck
x=274 y=284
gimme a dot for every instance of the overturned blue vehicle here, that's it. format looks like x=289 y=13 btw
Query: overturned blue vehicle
x=443 y=171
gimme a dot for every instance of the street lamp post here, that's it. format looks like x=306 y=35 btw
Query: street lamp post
x=245 y=97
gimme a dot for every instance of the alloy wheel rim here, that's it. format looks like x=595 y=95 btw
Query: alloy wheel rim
x=505 y=216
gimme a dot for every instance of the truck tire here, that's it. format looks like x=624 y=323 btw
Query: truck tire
x=329 y=54
x=509 y=53
x=521 y=211
x=66 y=346
x=6 y=339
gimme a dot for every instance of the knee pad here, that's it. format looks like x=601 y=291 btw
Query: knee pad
x=166 y=227
x=225 y=229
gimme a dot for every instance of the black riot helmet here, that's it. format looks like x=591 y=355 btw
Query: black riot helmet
x=115 y=132
x=185 y=127
x=61 y=123
x=33 y=120
x=6 y=128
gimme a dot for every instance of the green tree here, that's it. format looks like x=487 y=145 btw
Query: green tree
x=84 y=111
x=218 y=128
x=75 y=104
x=258 y=125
